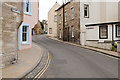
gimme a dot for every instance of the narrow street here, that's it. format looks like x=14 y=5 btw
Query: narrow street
x=75 y=62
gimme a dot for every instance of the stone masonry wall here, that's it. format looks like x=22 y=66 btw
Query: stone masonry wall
x=10 y=24
x=70 y=22
x=96 y=44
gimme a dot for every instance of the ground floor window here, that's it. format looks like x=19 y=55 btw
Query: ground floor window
x=60 y=34
x=50 y=30
x=103 y=32
x=25 y=34
x=72 y=31
x=118 y=30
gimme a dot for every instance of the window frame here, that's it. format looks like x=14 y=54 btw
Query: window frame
x=100 y=36
x=73 y=32
x=28 y=34
x=50 y=29
x=86 y=5
x=24 y=31
x=117 y=31
x=55 y=18
x=60 y=32
x=65 y=16
x=25 y=6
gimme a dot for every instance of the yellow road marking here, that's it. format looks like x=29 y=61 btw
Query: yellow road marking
x=43 y=68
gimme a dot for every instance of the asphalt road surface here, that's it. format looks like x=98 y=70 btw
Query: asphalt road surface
x=74 y=62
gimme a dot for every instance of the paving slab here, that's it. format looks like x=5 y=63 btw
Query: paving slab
x=107 y=52
x=28 y=59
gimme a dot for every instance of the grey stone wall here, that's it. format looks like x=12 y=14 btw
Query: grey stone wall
x=0 y=37
x=118 y=47
x=96 y=44
x=70 y=22
x=10 y=24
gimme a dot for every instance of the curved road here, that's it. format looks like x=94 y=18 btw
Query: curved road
x=74 y=62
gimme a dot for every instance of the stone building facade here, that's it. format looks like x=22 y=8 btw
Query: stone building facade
x=52 y=21
x=11 y=18
x=45 y=24
x=71 y=30
x=38 y=29
x=101 y=30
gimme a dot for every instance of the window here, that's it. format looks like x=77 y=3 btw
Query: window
x=103 y=32
x=60 y=34
x=118 y=30
x=65 y=16
x=27 y=7
x=25 y=34
x=86 y=11
x=50 y=30
x=72 y=9
x=60 y=19
x=55 y=18
x=72 y=31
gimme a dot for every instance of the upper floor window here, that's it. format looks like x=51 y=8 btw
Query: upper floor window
x=27 y=7
x=72 y=9
x=86 y=10
x=103 y=30
x=55 y=18
x=65 y=16
x=118 y=30
x=60 y=19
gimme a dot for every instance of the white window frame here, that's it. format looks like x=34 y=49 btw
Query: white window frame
x=86 y=6
x=55 y=18
x=60 y=34
x=72 y=31
x=105 y=30
x=118 y=30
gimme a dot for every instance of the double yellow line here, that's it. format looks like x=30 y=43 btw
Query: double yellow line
x=44 y=68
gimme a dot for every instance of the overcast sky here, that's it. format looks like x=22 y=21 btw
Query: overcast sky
x=45 y=6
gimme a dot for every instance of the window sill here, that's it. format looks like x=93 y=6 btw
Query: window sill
x=25 y=43
x=117 y=36
x=28 y=13
x=86 y=16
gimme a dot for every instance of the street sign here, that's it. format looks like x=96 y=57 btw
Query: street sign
x=14 y=10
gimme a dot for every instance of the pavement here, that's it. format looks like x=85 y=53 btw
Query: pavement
x=28 y=60
x=106 y=52
x=68 y=61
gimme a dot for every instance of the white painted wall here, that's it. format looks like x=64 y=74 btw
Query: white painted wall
x=99 y=12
